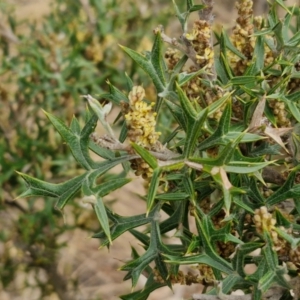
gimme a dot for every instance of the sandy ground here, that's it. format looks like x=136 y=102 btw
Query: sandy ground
x=94 y=268
x=31 y=9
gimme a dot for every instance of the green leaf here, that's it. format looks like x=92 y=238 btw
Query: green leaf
x=181 y=17
x=188 y=109
x=249 y=247
x=277 y=30
x=102 y=152
x=189 y=188
x=215 y=106
x=193 y=132
x=263 y=32
x=137 y=266
x=266 y=281
x=200 y=259
x=177 y=114
x=153 y=252
x=220 y=132
x=294 y=109
x=281 y=3
x=220 y=70
x=239 y=201
x=178 y=67
x=253 y=191
x=204 y=229
x=243 y=80
x=265 y=149
x=241 y=251
x=173 y=221
x=247 y=137
x=226 y=154
x=150 y=286
x=162 y=269
x=221 y=178
x=294 y=242
x=294 y=41
x=78 y=143
x=196 y=7
x=149 y=65
x=153 y=188
x=225 y=65
x=129 y=82
x=269 y=253
x=115 y=95
x=230 y=46
x=189 y=4
x=171 y=136
x=229 y=282
x=107 y=187
x=185 y=77
x=283 y=193
x=156 y=57
x=223 y=158
x=245 y=167
x=123 y=132
x=259 y=54
x=63 y=191
x=262 y=269
x=145 y=155
x=141 y=237
x=294 y=97
x=282 y=220
x=257 y=293
x=122 y=224
x=100 y=211
x=106 y=165
x=172 y=196
x=286 y=27
x=75 y=127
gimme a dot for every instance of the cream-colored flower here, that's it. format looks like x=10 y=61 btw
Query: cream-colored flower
x=141 y=120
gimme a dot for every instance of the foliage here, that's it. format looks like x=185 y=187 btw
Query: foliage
x=49 y=65
x=223 y=156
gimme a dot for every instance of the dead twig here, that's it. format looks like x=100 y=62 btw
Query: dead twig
x=206 y=13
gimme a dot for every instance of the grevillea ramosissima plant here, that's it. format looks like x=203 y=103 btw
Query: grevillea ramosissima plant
x=218 y=150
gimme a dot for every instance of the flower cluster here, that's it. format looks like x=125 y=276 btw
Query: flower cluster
x=181 y=278
x=280 y=113
x=141 y=128
x=193 y=88
x=141 y=120
x=200 y=39
x=242 y=37
x=206 y=273
x=264 y=221
x=204 y=95
x=172 y=57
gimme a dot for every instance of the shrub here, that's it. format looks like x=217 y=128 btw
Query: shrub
x=50 y=64
x=218 y=149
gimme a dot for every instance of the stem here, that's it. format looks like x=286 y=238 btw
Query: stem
x=186 y=48
x=206 y=13
x=113 y=144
